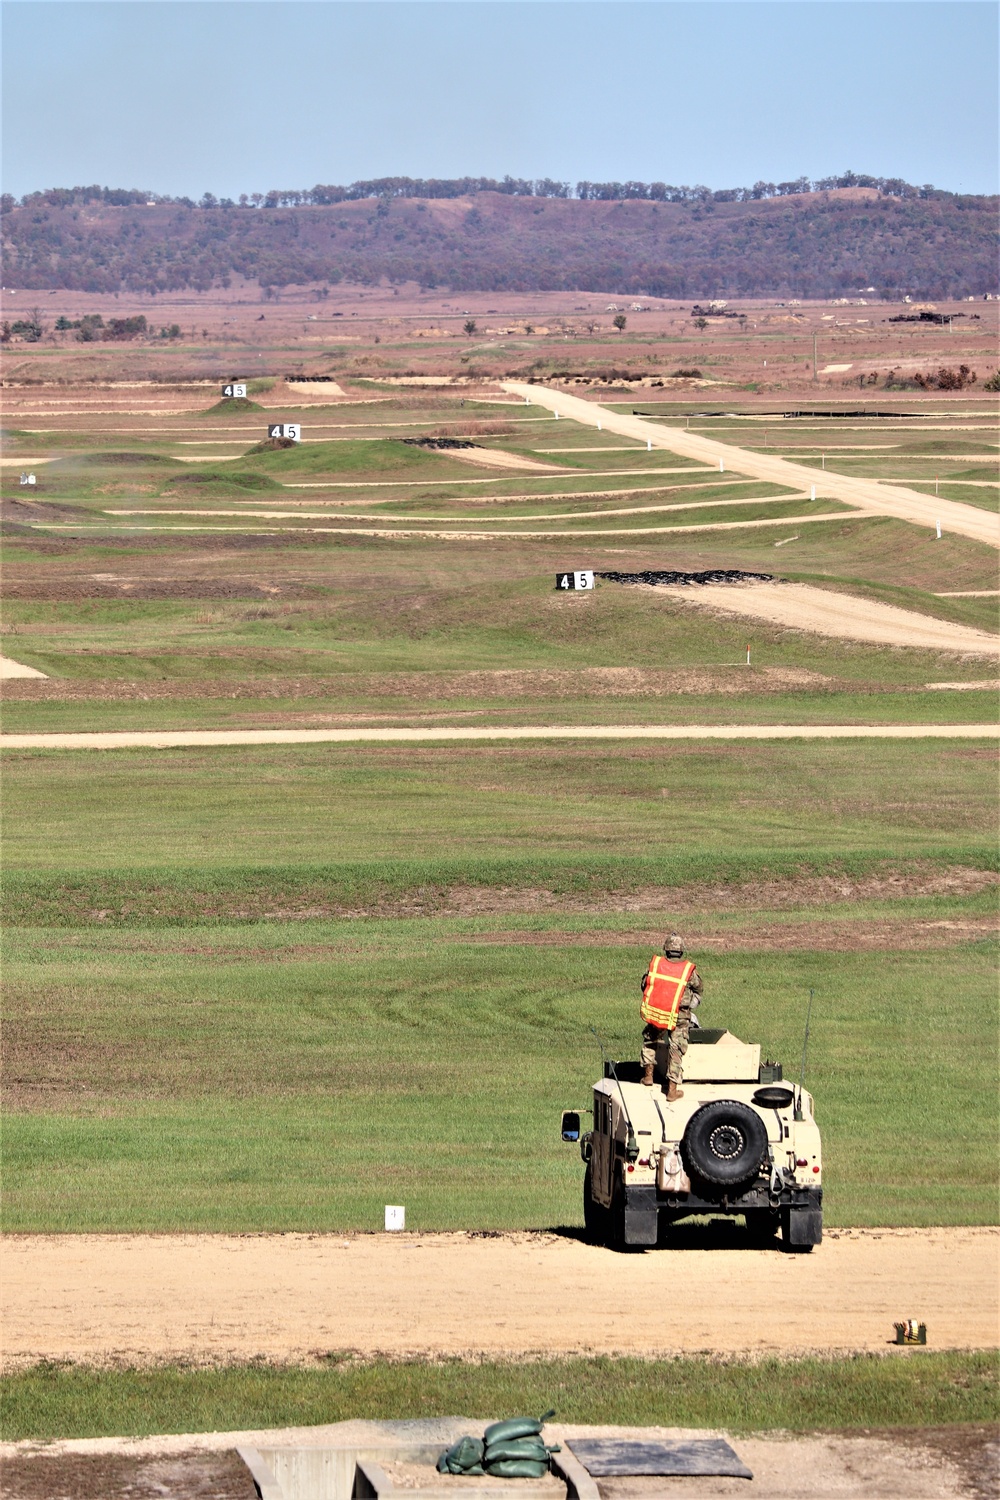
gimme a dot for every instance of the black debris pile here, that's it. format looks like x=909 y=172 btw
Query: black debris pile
x=927 y=317
x=308 y=379
x=439 y=442
x=507 y=1450
x=714 y=575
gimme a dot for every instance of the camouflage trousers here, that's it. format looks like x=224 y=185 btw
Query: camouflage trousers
x=666 y=1049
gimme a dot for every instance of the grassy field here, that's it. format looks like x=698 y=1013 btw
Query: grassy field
x=276 y=1076
x=196 y=937
x=918 y=1389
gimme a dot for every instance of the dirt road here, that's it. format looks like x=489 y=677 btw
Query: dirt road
x=870 y=494
x=826 y=612
x=174 y=739
x=220 y=1297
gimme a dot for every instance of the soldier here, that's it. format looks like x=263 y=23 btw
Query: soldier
x=671 y=988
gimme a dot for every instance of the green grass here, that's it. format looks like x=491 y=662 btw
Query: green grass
x=218 y=705
x=914 y=1389
x=278 y=1076
x=422 y=618
x=85 y=809
x=210 y=893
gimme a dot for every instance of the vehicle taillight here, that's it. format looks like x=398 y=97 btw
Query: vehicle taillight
x=800 y=1161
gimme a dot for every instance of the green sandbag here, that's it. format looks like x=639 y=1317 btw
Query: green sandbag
x=516 y=1427
x=532 y=1448
x=517 y=1468
x=463 y=1457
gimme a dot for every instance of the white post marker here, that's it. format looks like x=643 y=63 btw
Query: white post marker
x=649 y=445
x=812 y=493
x=722 y=466
x=939 y=530
x=395 y=1216
x=748 y=653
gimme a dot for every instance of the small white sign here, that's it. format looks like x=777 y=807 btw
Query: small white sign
x=290 y=430
x=575 y=580
x=395 y=1216
x=237 y=392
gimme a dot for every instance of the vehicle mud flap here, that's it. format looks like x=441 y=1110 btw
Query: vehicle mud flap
x=801 y=1228
x=641 y=1219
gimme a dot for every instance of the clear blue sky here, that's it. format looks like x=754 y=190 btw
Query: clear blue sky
x=231 y=96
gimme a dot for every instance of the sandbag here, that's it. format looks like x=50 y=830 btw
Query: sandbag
x=515 y=1427
x=531 y=1448
x=518 y=1468
x=463 y=1457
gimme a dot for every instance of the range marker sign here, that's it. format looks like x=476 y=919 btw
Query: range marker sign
x=579 y=580
x=290 y=430
x=236 y=392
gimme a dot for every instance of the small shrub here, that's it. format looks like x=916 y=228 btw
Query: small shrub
x=687 y=375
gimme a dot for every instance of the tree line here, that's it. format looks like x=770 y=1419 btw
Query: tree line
x=463 y=187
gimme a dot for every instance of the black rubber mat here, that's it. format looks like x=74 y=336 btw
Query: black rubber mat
x=605 y=1458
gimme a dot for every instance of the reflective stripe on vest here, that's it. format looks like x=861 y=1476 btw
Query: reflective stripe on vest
x=666 y=981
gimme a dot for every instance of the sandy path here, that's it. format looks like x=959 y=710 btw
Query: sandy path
x=94 y=1297
x=173 y=739
x=10 y=669
x=825 y=612
x=869 y=494
x=496 y=458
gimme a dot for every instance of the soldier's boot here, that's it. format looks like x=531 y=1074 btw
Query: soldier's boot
x=673 y=1092
x=647 y=1075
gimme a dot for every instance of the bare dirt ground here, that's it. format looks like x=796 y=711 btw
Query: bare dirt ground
x=798 y=606
x=915 y=1463
x=178 y=738
x=871 y=496
x=214 y=1298
x=931 y=1463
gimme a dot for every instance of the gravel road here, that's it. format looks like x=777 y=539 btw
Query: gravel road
x=175 y=739
x=869 y=494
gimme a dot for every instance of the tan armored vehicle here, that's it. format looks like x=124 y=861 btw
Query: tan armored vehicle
x=740 y=1141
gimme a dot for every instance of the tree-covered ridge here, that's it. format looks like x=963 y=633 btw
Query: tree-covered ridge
x=791 y=239
x=463 y=187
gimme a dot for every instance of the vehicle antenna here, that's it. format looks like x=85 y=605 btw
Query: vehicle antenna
x=631 y=1143
x=805 y=1044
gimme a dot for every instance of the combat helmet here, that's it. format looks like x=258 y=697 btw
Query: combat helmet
x=673 y=946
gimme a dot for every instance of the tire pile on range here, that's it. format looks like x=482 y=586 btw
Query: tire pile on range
x=713 y=575
x=507 y=1450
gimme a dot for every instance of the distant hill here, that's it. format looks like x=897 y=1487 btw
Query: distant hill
x=826 y=243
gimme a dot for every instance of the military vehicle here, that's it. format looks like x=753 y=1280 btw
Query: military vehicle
x=740 y=1141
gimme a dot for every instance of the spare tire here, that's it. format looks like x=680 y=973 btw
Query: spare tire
x=724 y=1143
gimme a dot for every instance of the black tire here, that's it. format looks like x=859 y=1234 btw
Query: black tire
x=724 y=1143
x=594 y=1215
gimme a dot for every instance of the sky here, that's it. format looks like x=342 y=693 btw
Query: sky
x=231 y=96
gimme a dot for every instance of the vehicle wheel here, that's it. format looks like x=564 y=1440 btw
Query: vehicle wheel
x=594 y=1215
x=724 y=1143
x=616 y=1214
x=762 y=1226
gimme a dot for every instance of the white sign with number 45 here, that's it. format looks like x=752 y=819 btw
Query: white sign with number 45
x=290 y=430
x=577 y=580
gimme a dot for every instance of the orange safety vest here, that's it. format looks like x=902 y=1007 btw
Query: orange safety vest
x=666 y=981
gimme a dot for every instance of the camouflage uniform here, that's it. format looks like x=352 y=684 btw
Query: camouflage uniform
x=667 y=1048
